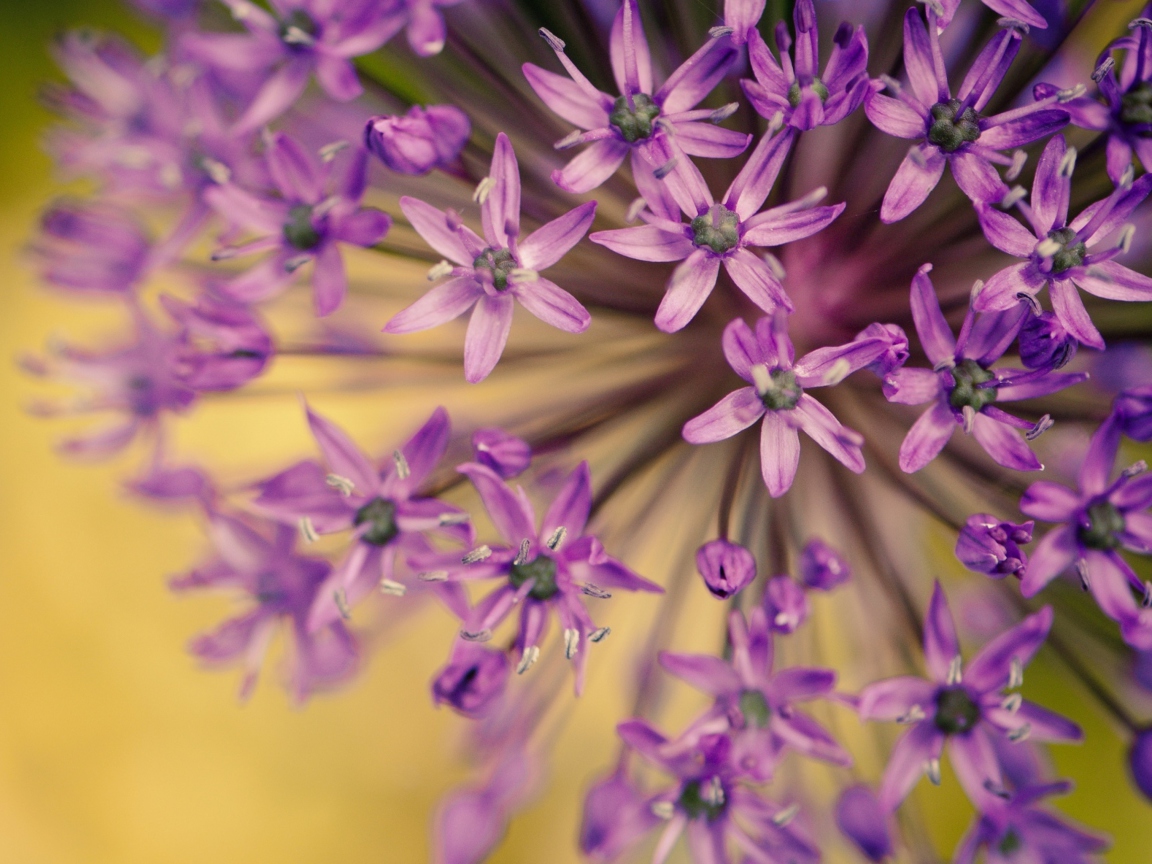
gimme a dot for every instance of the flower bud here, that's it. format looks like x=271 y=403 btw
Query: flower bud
x=473 y=679
x=1044 y=343
x=822 y=567
x=861 y=820
x=1133 y=409
x=616 y=815
x=422 y=139
x=727 y=567
x=505 y=454
x=786 y=604
x=1140 y=761
x=987 y=545
x=896 y=354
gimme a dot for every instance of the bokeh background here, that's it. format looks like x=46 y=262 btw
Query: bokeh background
x=114 y=747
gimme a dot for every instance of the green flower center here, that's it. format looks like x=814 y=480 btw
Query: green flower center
x=949 y=132
x=755 y=708
x=1010 y=842
x=636 y=122
x=782 y=393
x=1068 y=256
x=966 y=392
x=718 y=229
x=795 y=92
x=543 y=570
x=703 y=798
x=298 y=230
x=1104 y=523
x=499 y=263
x=1136 y=106
x=380 y=514
x=956 y=713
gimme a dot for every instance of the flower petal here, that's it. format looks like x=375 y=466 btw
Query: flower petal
x=915 y=179
x=487 y=335
x=446 y=301
x=432 y=224
x=343 y=457
x=551 y=242
x=552 y=305
x=645 y=243
x=509 y=512
x=779 y=453
x=1052 y=556
x=734 y=413
x=927 y=437
x=757 y=281
x=592 y=167
x=1004 y=444
x=689 y=287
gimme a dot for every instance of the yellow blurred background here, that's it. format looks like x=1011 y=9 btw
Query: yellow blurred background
x=115 y=748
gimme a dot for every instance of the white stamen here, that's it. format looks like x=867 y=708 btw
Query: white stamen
x=433 y=576
x=1015 y=674
x=307 y=531
x=724 y=112
x=569 y=140
x=1042 y=425
x=1047 y=247
x=554 y=41
x=329 y=151
x=482 y=190
x=811 y=199
x=1014 y=196
x=761 y=377
x=522 y=555
x=217 y=171
x=596 y=591
x=1013 y=24
x=439 y=271
x=396 y=589
x=294 y=264
x=1126 y=179
x=969 y=415
x=891 y=83
x=663 y=809
x=528 y=659
x=1139 y=22
x=403 y=471
x=1135 y=469
x=1082 y=572
x=776 y=123
x=665 y=125
x=932 y=768
x=634 y=210
x=1024 y=297
x=171 y=176
x=342 y=483
x=295 y=36
x=977 y=287
x=342 y=603
x=480 y=553
x=571 y=642
x=1018 y=735
x=476 y=636
x=1073 y=92
x=521 y=275
x=1012 y=702
x=1103 y=69
x=599 y=635
x=955 y=670
x=913 y=715
x=1124 y=241
x=665 y=169
x=838 y=372
x=557 y=538
x=717 y=32
x=1068 y=163
x=997 y=790
x=713 y=792
x=786 y=815
x=1019 y=157
x=1147 y=602
x=453 y=519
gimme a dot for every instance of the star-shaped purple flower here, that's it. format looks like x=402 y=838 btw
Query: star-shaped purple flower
x=1099 y=520
x=793 y=87
x=962 y=386
x=261 y=562
x=720 y=233
x=547 y=569
x=493 y=271
x=379 y=505
x=965 y=709
x=1062 y=255
x=953 y=130
x=759 y=703
x=306 y=223
x=643 y=113
x=765 y=359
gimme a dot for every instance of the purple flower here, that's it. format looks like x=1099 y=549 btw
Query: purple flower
x=792 y=87
x=304 y=224
x=966 y=710
x=742 y=16
x=505 y=454
x=759 y=703
x=712 y=803
x=615 y=816
x=473 y=679
x=1017 y=10
x=765 y=360
x=379 y=506
x=233 y=346
x=786 y=604
x=1063 y=255
x=1133 y=412
x=727 y=568
x=962 y=387
x=643 y=114
x=260 y=561
x=1017 y=830
x=953 y=129
x=861 y=819
x=493 y=271
x=1126 y=112
x=1099 y=520
x=471 y=821
x=289 y=43
x=95 y=248
x=1044 y=343
x=894 y=343
x=987 y=545
x=720 y=233
x=422 y=139
x=1140 y=761
x=548 y=569
x=822 y=567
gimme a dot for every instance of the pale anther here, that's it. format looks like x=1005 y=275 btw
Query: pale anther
x=433 y=576
x=599 y=634
x=307 y=531
x=522 y=555
x=328 y=151
x=955 y=670
x=390 y=586
x=480 y=553
x=341 y=603
x=557 y=538
x=786 y=815
x=482 y=190
x=528 y=659
x=341 y=483
x=571 y=642
x=933 y=771
x=439 y=271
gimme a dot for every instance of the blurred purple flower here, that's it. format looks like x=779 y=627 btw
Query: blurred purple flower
x=473 y=679
x=505 y=454
x=233 y=345
x=96 y=248
x=1044 y=343
x=987 y=545
x=822 y=567
x=422 y=139
x=785 y=604
x=727 y=568
x=861 y=819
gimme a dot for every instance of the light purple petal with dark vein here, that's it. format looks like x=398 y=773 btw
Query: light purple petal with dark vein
x=1024 y=130
x=941 y=646
x=441 y=304
x=342 y=455
x=500 y=211
x=772 y=228
x=329 y=281
x=892 y=698
x=1004 y=444
x=1049 y=502
x=566 y=98
x=779 y=453
x=893 y=116
x=423 y=451
x=915 y=179
x=1049 y=189
x=1052 y=556
x=992 y=333
x=1000 y=292
x=1043 y=725
x=734 y=413
x=570 y=507
x=798 y=683
x=750 y=189
x=1005 y=232
x=708 y=674
x=910 y=386
x=1114 y=281
x=908 y=761
x=974 y=761
x=280 y=89
x=706 y=842
x=645 y=243
x=935 y=334
x=690 y=285
x=364 y=227
x=241 y=207
x=1053 y=382
x=265 y=280
x=741 y=349
x=508 y=512
x=431 y=224
x=1110 y=581
x=757 y=281
x=821 y=426
x=620 y=46
x=696 y=77
x=298 y=176
x=807 y=737
x=487 y=335
x=709 y=141
x=927 y=437
x=990 y=669
x=552 y=305
x=1069 y=309
x=918 y=61
x=551 y=242
x=977 y=178
x=1020 y=10
x=592 y=167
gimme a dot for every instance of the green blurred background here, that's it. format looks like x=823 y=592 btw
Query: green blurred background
x=115 y=748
